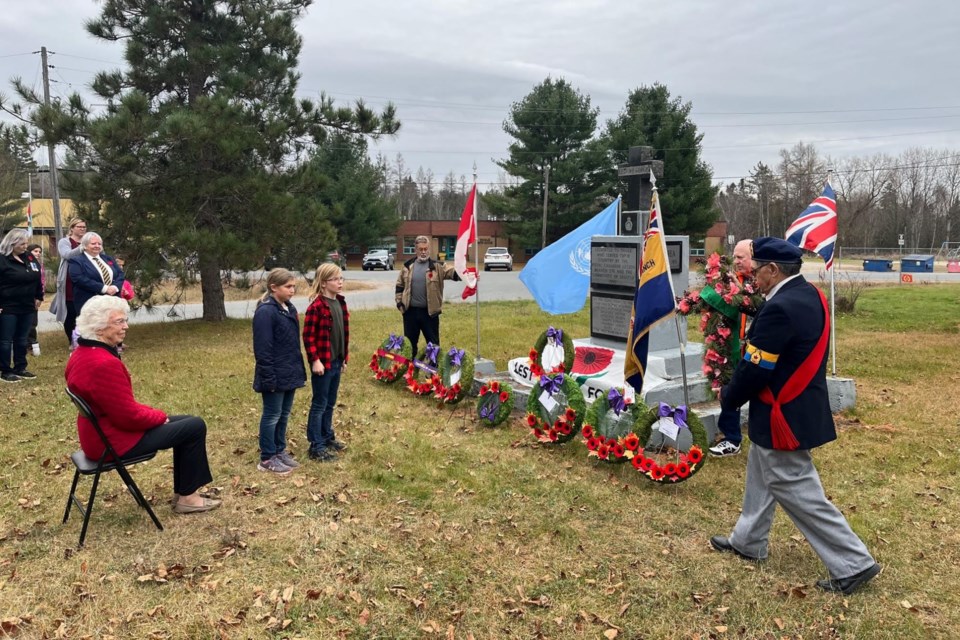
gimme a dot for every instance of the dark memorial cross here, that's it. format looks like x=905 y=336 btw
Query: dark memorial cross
x=635 y=175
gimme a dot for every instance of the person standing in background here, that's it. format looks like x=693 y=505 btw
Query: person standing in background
x=20 y=297
x=419 y=294
x=37 y=252
x=62 y=305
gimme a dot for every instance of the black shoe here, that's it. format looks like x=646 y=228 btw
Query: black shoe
x=336 y=445
x=26 y=375
x=723 y=545
x=846 y=586
x=321 y=455
x=10 y=377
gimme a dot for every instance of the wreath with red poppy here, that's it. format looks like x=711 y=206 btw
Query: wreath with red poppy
x=685 y=463
x=535 y=355
x=495 y=403
x=442 y=389
x=566 y=423
x=412 y=376
x=604 y=440
x=390 y=362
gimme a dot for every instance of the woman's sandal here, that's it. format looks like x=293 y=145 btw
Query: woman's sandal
x=208 y=504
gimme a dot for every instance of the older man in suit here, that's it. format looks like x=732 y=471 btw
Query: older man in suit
x=93 y=272
x=783 y=376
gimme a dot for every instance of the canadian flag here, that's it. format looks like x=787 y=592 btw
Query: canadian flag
x=467 y=235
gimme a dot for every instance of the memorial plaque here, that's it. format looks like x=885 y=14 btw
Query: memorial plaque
x=614 y=265
x=675 y=256
x=610 y=315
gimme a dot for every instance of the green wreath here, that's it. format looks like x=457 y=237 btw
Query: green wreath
x=601 y=443
x=687 y=463
x=392 y=359
x=412 y=375
x=443 y=390
x=563 y=423
x=536 y=359
x=495 y=403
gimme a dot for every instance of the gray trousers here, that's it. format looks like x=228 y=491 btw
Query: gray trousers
x=788 y=478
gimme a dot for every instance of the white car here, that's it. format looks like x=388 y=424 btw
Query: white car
x=378 y=259
x=497 y=257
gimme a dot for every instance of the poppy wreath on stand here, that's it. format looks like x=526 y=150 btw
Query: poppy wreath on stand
x=552 y=340
x=608 y=427
x=392 y=359
x=669 y=466
x=495 y=403
x=425 y=361
x=555 y=408
x=455 y=376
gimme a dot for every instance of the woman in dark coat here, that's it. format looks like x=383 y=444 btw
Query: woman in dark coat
x=21 y=293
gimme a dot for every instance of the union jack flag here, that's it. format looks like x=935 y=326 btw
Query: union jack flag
x=815 y=229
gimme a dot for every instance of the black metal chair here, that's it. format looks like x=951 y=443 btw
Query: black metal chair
x=109 y=461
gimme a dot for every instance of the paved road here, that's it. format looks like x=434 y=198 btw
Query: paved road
x=494 y=285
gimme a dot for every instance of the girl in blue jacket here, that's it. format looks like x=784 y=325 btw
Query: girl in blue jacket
x=279 y=368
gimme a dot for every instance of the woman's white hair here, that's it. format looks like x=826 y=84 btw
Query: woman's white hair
x=95 y=315
x=13 y=237
x=88 y=236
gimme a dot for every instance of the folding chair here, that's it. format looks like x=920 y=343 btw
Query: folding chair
x=109 y=461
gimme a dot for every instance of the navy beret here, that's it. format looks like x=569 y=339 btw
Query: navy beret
x=769 y=249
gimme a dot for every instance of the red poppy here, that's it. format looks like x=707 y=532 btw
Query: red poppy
x=603 y=451
x=637 y=462
x=656 y=473
x=695 y=455
x=592 y=444
x=495 y=386
x=670 y=469
x=566 y=429
x=631 y=442
x=560 y=368
x=538 y=434
x=533 y=355
x=504 y=396
x=587 y=431
x=553 y=435
x=618 y=450
x=531 y=420
x=649 y=464
x=483 y=390
x=683 y=470
x=570 y=414
x=591 y=360
x=611 y=441
x=536 y=370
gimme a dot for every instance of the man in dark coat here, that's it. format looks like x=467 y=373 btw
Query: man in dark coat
x=783 y=377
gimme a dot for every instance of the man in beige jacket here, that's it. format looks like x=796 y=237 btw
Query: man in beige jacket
x=420 y=294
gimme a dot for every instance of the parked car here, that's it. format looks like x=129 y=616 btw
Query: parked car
x=497 y=257
x=378 y=259
x=338 y=258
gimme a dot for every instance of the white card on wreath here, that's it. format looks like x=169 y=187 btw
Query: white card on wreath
x=668 y=427
x=547 y=401
x=455 y=377
x=552 y=356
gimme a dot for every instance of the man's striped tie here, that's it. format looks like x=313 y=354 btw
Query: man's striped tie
x=105 y=271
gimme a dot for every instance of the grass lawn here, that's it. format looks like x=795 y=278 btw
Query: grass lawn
x=431 y=526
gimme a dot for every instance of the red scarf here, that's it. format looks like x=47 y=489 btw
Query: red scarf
x=780 y=431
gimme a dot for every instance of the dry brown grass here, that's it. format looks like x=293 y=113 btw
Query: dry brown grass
x=432 y=527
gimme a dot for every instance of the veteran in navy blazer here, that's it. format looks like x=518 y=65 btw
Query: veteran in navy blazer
x=93 y=273
x=783 y=377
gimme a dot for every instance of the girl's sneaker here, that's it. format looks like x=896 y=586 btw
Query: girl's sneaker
x=274 y=466
x=287 y=459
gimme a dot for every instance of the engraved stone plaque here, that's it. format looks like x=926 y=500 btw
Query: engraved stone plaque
x=614 y=265
x=610 y=315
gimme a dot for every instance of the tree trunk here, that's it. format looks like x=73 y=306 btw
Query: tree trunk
x=211 y=286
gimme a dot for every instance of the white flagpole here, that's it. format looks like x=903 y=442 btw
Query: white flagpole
x=833 y=291
x=30 y=203
x=476 y=252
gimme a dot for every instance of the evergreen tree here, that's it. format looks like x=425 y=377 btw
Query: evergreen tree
x=194 y=153
x=551 y=127
x=652 y=118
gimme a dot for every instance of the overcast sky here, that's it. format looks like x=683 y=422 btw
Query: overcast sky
x=853 y=77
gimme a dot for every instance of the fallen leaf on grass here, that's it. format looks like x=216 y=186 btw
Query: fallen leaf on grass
x=364 y=618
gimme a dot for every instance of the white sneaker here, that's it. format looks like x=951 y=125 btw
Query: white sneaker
x=724 y=448
x=36 y=350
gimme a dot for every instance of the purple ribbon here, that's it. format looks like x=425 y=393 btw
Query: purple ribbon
x=551 y=385
x=679 y=414
x=617 y=403
x=432 y=353
x=556 y=334
x=488 y=410
x=456 y=356
x=394 y=342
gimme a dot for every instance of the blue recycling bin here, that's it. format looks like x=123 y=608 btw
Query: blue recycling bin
x=876 y=264
x=916 y=263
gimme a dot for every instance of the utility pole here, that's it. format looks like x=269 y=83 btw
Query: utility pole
x=546 y=192
x=54 y=180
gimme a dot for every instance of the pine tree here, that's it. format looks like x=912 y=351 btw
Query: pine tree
x=195 y=155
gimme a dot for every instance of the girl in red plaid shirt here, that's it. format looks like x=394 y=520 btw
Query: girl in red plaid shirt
x=326 y=337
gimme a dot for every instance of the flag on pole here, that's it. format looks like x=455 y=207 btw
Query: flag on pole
x=815 y=229
x=467 y=235
x=654 y=300
x=30 y=217
x=559 y=275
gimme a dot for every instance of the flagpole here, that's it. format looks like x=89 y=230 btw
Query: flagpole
x=30 y=203
x=476 y=253
x=833 y=299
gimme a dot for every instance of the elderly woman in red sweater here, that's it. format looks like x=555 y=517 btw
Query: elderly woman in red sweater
x=96 y=374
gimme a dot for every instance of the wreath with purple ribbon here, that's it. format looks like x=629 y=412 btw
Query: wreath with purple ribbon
x=494 y=403
x=552 y=335
x=558 y=420
x=668 y=465
x=427 y=361
x=391 y=360
x=454 y=360
x=609 y=439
